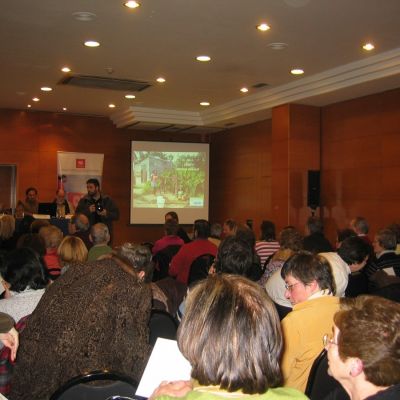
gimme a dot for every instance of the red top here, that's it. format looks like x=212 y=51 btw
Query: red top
x=181 y=262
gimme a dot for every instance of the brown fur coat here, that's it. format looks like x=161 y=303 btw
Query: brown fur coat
x=93 y=317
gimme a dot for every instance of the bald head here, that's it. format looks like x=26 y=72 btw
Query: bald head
x=100 y=234
x=82 y=222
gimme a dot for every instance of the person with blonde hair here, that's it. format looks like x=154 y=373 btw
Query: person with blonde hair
x=70 y=251
x=52 y=237
x=8 y=239
x=364 y=349
x=231 y=336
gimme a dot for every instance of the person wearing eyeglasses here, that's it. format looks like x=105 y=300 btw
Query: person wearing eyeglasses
x=310 y=287
x=364 y=349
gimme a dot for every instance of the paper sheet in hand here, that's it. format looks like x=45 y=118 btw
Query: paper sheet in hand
x=166 y=363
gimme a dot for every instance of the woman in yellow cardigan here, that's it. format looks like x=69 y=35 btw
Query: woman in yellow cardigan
x=310 y=287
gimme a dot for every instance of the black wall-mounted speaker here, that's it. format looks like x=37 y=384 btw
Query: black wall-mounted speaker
x=313 y=189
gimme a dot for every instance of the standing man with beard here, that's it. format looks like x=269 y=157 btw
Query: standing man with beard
x=96 y=206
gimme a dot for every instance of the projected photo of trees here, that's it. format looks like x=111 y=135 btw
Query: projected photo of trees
x=168 y=179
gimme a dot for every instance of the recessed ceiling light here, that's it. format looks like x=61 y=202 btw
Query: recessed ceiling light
x=111 y=105
x=297 y=71
x=203 y=58
x=84 y=16
x=66 y=69
x=131 y=4
x=277 y=46
x=244 y=90
x=46 y=89
x=29 y=106
x=130 y=96
x=36 y=99
x=368 y=46
x=160 y=79
x=64 y=108
x=205 y=103
x=263 y=27
x=91 y=43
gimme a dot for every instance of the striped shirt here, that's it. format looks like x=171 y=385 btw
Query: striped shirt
x=265 y=249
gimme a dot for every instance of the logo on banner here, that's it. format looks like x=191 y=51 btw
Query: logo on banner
x=80 y=163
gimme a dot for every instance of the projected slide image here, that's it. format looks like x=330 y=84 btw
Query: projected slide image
x=168 y=179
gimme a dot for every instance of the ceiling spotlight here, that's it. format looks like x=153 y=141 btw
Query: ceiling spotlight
x=84 y=16
x=131 y=4
x=91 y=43
x=130 y=96
x=46 y=89
x=263 y=27
x=297 y=71
x=244 y=90
x=64 y=108
x=205 y=103
x=203 y=58
x=368 y=46
x=29 y=106
x=160 y=79
x=65 y=69
x=277 y=46
x=36 y=99
x=111 y=105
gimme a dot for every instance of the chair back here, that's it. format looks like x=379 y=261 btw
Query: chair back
x=200 y=267
x=161 y=261
x=110 y=385
x=162 y=324
x=320 y=383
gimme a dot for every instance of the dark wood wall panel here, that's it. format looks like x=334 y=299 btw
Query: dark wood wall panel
x=240 y=179
x=361 y=160
x=31 y=140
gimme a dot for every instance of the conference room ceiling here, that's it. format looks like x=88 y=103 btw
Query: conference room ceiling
x=162 y=38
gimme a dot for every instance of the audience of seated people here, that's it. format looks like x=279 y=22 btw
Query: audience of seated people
x=229 y=227
x=385 y=267
x=24 y=281
x=267 y=245
x=173 y=216
x=315 y=241
x=71 y=251
x=215 y=233
x=100 y=237
x=79 y=226
x=182 y=261
x=361 y=227
x=93 y=317
x=363 y=351
x=170 y=237
x=290 y=241
x=74 y=304
x=8 y=236
x=310 y=287
x=52 y=237
x=231 y=336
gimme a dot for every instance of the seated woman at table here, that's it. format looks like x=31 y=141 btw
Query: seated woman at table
x=310 y=287
x=364 y=350
x=231 y=336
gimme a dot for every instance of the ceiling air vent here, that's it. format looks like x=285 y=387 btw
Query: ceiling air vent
x=101 y=82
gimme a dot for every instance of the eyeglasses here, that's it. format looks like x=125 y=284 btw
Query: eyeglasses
x=328 y=339
x=289 y=287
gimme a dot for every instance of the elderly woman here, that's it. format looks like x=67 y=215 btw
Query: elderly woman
x=364 y=350
x=93 y=317
x=231 y=336
x=310 y=288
